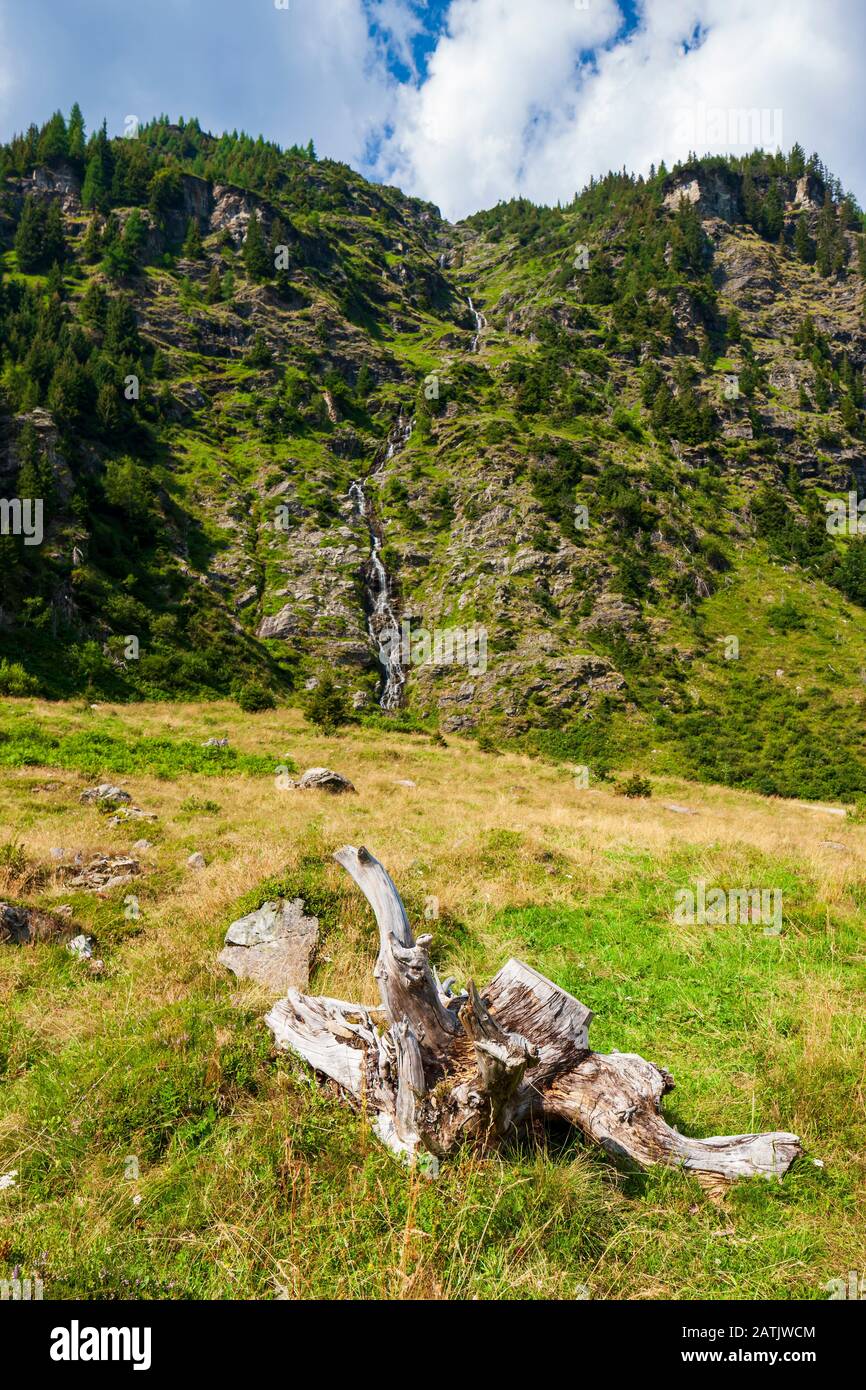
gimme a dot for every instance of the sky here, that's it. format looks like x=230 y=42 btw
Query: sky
x=462 y=102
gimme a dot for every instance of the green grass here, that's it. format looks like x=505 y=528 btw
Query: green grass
x=31 y=745
x=254 y=1182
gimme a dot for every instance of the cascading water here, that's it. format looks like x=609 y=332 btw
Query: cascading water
x=480 y=324
x=382 y=624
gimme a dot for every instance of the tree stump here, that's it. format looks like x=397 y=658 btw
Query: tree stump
x=437 y=1068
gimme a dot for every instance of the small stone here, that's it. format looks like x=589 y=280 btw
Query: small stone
x=323 y=779
x=679 y=810
x=141 y=845
x=81 y=946
x=196 y=861
x=405 y=782
x=216 y=743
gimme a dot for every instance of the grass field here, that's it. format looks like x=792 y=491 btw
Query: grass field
x=254 y=1181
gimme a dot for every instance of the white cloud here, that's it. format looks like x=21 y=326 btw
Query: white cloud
x=508 y=107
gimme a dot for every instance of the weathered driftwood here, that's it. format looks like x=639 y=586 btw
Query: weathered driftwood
x=435 y=1068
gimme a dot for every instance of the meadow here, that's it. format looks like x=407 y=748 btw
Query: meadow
x=162 y=1149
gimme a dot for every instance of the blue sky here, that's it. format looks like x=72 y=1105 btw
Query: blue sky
x=463 y=102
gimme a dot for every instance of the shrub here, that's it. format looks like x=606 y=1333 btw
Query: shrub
x=14 y=680
x=634 y=786
x=254 y=698
x=326 y=707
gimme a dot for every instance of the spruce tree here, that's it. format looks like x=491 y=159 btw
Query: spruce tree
x=92 y=243
x=75 y=135
x=54 y=141
x=255 y=252
x=30 y=236
x=192 y=247
x=54 y=239
x=804 y=246
x=213 y=293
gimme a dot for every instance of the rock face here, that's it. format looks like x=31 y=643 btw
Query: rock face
x=273 y=946
x=323 y=779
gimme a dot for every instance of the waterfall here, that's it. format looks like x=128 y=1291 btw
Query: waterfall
x=480 y=324
x=382 y=623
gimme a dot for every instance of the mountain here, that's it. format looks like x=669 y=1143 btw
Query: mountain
x=278 y=415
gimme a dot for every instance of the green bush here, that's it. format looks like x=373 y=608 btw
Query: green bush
x=634 y=786
x=254 y=698
x=326 y=707
x=14 y=680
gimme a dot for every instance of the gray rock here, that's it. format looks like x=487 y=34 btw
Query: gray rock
x=680 y=810
x=323 y=779
x=273 y=946
x=14 y=924
x=196 y=861
x=216 y=743
x=105 y=792
x=81 y=946
x=141 y=845
x=103 y=872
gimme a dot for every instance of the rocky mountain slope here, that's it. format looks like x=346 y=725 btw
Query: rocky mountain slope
x=279 y=416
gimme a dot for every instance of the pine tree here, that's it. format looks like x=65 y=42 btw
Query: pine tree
x=213 y=293
x=54 y=141
x=255 y=252
x=192 y=247
x=797 y=162
x=92 y=243
x=94 y=304
x=109 y=413
x=826 y=248
x=54 y=239
x=96 y=192
x=121 y=329
x=30 y=236
x=772 y=214
x=75 y=135
x=804 y=246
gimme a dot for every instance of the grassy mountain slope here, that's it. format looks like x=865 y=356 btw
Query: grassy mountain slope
x=211 y=518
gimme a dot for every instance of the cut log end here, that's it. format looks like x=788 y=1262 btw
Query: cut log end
x=436 y=1069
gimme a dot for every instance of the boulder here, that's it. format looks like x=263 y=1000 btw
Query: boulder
x=273 y=946
x=196 y=861
x=323 y=779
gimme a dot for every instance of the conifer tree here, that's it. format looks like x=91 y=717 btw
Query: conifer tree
x=75 y=135
x=54 y=141
x=255 y=252
x=192 y=246
x=804 y=246
x=30 y=235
